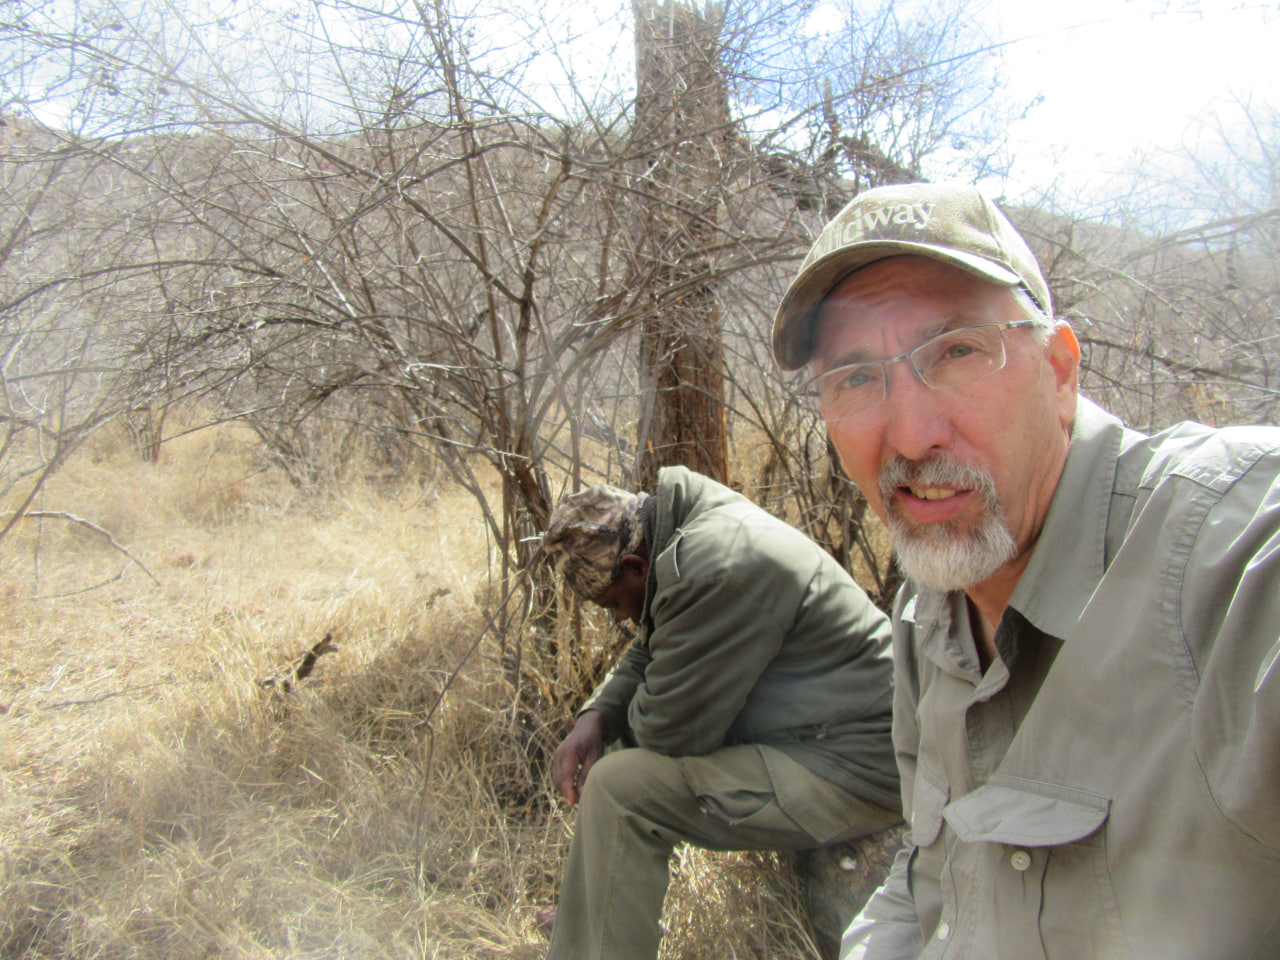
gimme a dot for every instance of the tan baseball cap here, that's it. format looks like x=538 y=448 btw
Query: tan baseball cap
x=953 y=223
x=588 y=532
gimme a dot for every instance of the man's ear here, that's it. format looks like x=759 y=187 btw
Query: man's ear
x=634 y=563
x=1063 y=352
x=1063 y=330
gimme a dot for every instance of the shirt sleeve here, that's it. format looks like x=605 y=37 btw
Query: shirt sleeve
x=1231 y=623
x=613 y=695
x=719 y=618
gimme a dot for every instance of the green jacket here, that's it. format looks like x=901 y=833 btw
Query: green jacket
x=751 y=633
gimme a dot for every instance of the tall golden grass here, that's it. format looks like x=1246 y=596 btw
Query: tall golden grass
x=157 y=801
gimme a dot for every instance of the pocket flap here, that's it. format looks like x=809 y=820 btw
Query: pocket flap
x=1028 y=813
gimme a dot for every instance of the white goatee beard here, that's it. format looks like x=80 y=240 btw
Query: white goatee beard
x=940 y=556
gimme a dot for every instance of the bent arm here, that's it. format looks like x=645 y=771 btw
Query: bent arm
x=717 y=626
x=613 y=696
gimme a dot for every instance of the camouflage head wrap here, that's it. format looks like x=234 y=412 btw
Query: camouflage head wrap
x=587 y=534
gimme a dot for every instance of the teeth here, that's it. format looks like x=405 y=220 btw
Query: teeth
x=932 y=493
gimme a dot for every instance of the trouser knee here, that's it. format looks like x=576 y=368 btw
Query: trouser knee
x=641 y=787
x=623 y=777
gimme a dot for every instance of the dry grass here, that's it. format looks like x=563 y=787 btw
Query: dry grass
x=156 y=801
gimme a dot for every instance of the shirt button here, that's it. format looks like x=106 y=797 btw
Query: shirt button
x=1020 y=860
x=944 y=930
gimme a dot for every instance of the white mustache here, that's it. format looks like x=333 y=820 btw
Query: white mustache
x=934 y=554
x=937 y=471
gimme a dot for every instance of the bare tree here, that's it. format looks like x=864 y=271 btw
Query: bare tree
x=1175 y=287
x=67 y=365
x=360 y=226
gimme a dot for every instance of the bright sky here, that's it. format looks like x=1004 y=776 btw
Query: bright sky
x=1117 y=77
x=1120 y=76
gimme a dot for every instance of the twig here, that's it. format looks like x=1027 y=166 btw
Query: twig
x=101 y=698
x=88 y=589
x=72 y=518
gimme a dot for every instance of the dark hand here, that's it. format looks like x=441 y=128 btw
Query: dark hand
x=576 y=755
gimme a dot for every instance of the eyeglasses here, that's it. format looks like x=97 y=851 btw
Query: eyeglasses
x=951 y=359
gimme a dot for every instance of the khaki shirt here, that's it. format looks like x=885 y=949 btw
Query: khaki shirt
x=1110 y=788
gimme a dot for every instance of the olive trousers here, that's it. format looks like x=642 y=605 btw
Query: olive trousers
x=636 y=806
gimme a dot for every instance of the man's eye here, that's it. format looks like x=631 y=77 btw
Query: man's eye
x=854 y=380
x=958 y=351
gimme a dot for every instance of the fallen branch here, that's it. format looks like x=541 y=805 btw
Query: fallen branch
x=302 y=667
x=72 y=518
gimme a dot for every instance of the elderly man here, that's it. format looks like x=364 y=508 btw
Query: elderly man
x=1087 y=697
x=755 y=701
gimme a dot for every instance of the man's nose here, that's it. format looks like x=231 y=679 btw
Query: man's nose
x=917 y=417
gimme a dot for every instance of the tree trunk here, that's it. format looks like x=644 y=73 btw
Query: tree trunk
x=682 y=136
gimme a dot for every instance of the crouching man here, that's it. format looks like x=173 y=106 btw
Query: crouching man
x=754 y=704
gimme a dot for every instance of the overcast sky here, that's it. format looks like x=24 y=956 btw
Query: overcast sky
x=1116 y=77
x=1120 y=76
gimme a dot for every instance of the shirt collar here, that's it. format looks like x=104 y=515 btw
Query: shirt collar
x=1069 y=556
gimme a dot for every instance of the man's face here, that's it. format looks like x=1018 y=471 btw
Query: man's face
x=624 y=598
x=962 y=475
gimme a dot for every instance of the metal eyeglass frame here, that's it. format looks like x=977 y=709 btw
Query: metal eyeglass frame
x=810 y=387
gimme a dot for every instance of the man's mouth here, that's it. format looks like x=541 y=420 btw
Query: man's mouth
x=936 y=491
x=931 y=493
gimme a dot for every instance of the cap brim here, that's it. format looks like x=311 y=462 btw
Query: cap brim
x=794 y=320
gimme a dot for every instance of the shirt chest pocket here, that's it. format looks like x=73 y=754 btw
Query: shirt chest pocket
x=1044 y=842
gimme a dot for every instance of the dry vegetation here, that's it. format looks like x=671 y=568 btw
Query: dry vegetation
x=463 y=276
x=156 y=801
